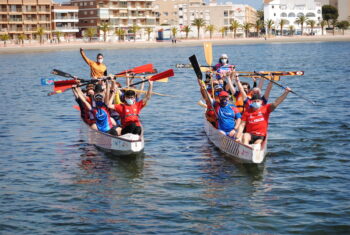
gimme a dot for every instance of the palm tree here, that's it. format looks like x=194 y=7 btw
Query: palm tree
x=223 y=31
x=246 y=27
x=269 y=25
x=301 y=21
x=334 y=23
x=282 y=23
x=134 y=29
x=322 y=24
x=174 y=31
x=58 y=35
x=199 y=23
x=234 y=26
x=90 y=33
x=291 y=30
x=120 y=33
x=149 y=30
x=105 y=28
x=312 y=24
x=258 y=26
x=187 y=30
x=40 y=32
x=211 y=29
x=4 y=37
x=21 y=38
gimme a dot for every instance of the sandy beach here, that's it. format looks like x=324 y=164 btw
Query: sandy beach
x=34 y=47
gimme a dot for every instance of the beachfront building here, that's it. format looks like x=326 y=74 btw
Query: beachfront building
x=64 y=21
x=343 y=7
x=290 y=10
x=183 y=13
x=25 y=18
x=123 y=15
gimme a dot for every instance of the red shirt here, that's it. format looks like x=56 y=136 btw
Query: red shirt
x=257 y=121
x=129 y=113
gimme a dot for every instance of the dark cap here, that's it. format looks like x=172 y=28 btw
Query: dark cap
x=256 y=97
x=98 y=97
x=218 y=87
x=98 y=88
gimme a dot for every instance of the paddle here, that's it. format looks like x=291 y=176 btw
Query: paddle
x=208 y=53
x=162 y=75
x=276 y=83
x=139 y=69
x=153 y=93
x=63 y=88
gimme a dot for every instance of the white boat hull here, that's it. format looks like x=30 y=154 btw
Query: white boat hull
x=243 y=153
x=124 y=145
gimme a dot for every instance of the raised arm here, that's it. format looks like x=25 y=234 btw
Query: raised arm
x=268 y=90
x=240 y=87
x=230 y=84
x=280 y=99
x=87 y=60
x=82 y=97
x=149 y=93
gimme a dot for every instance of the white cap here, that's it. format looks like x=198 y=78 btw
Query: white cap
x=224 y=56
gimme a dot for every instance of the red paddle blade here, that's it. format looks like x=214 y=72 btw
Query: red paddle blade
x=165 y=74
x=140 y=69
x=62 y=87
x=65 y=82
x=59 y=91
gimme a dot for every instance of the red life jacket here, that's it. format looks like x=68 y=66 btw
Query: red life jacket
x=130 y=114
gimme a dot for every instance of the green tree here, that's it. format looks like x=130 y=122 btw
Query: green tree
x=234 y=26
x=291 y=30
x=312 y=24
x=260 y=15
x=246 y=27
x=269 y=24
x=58 y=35
x=120 y=33
x=301 y=20
x=329 y=13
x=343 y=25
x=21 y=38
x=223 y=31
x=334 y=23
x=187 y=29
x=322 y=24
x=258 y=26
x=40 y=32
x=281 y=24
x=105 y=28
x=134 y=29
x=199 y=23
x=149 y=30
x=90 y=33
x=5 y=38
x=174 y=31
x=210 y=28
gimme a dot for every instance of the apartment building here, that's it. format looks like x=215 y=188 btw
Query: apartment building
x=65 y=20
x=25 y=17
x=118 y=14
x=343 y=7
x=290 y=10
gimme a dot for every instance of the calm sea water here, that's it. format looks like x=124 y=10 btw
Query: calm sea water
x=182 y=184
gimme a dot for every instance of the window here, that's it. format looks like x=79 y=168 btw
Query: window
x=91 y=3
x=291 y=14
x=273 y=7
x=91 y=12
x=300 y=14
x=274 y=14
x=85 y=12
x=283 y=14
x=310 y=14
x=92 y=21
x=165 y=13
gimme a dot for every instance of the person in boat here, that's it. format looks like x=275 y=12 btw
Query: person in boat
x=229 y=117
x=256 y=118
x=84 y=111
x=97 y=68
x=99 y=111
x=130 y=110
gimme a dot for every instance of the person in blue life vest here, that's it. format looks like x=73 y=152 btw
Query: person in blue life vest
x=229 y=117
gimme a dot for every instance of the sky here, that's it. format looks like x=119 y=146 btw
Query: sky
x=257 y=4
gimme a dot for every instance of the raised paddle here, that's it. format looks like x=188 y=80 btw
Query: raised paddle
x=208 y=52
x=162 y=75
x=276 y=83
x=139 y=69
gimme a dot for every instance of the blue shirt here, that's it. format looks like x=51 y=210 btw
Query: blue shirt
x=227 y=117
x=102 y=122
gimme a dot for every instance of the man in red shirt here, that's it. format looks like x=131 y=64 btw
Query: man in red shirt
x=256 y=119
x=129 y=112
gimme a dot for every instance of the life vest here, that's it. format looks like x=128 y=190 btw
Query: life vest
x=217 y=107
x=130 y=114
x=239 y=102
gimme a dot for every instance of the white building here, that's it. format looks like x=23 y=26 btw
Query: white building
x=65 y=20
x=290 y=10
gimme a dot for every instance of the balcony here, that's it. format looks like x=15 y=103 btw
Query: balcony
x=67 y=29
x=66 y=19
x=29 y=11
x=27 y=21
x=15 y=21
x=15 y=12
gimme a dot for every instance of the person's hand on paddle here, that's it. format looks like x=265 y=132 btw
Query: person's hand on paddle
x=232 y=133
x=81 y=49
x=288 y=89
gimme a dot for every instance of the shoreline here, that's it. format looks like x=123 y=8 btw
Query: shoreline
x=37 y=48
